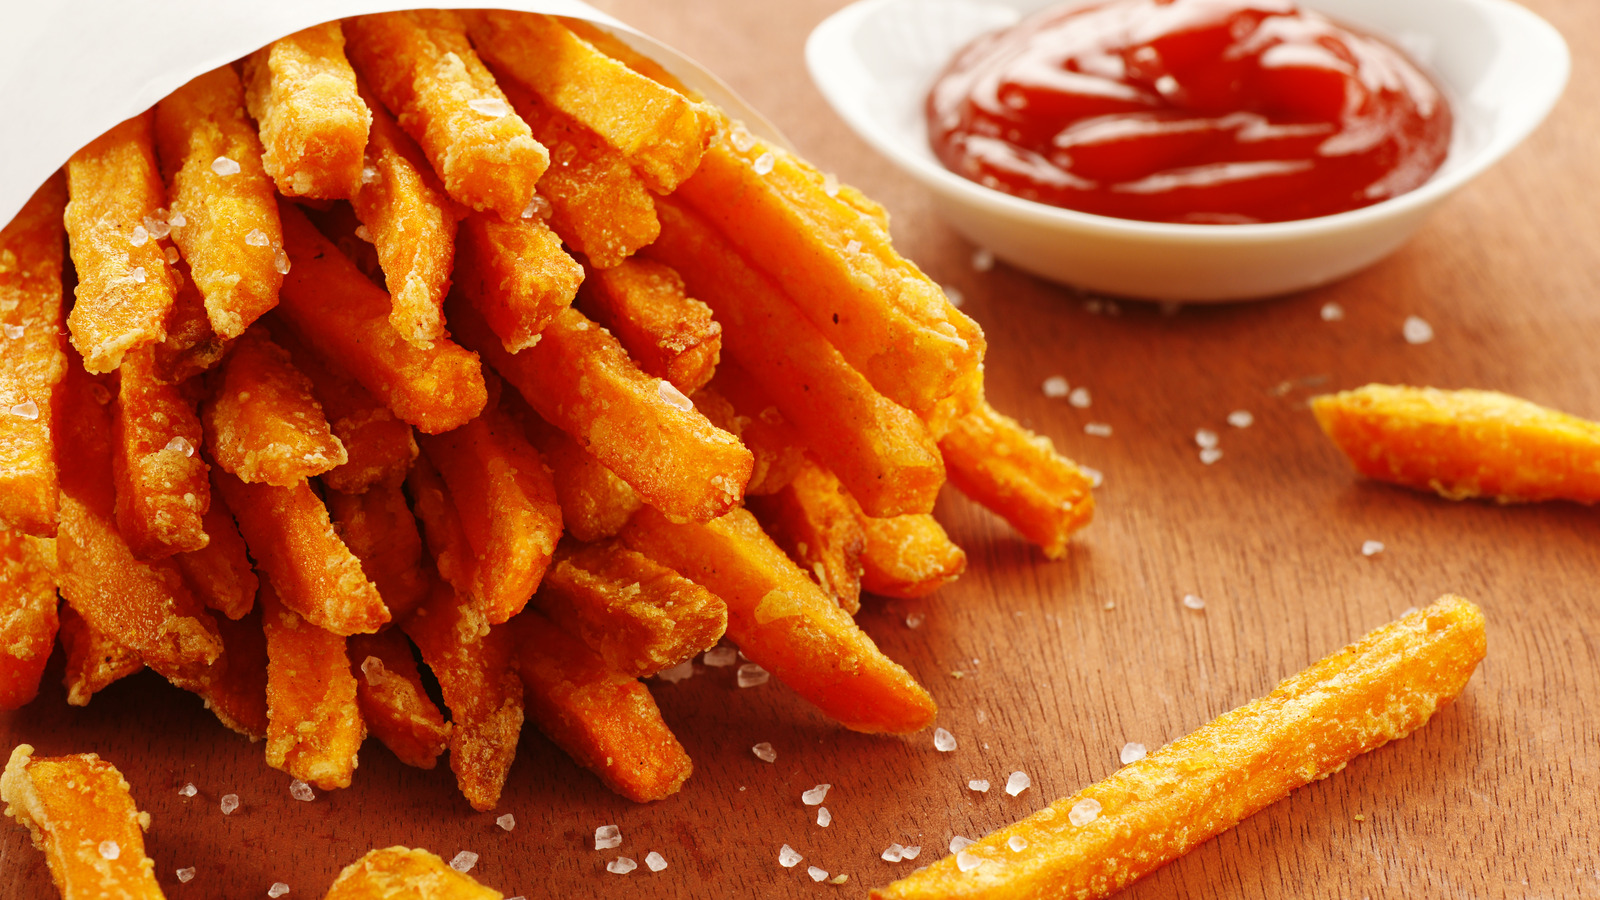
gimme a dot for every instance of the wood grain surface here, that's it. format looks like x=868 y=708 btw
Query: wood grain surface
x=1049 y=667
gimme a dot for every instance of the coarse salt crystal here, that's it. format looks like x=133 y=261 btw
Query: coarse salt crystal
x=982 y=259
x=280 y=261
x=788 y=858
x=911 y=851
x=764 y=163
x=1371 y=548
x=966 y=862
x=464 y=861
x=372 y=669
x=1241 y=418
x=853 y=247
x=173 y=256
x=363 y=233
x=1332 y=312
x=27 y=409
x=1079 y=398
x=493 y=107
x=301 y=791
x=824 y=818
x=1056 y=386
x=743 y=141
x=1416 y=330
x=258 y=238
x=181 y=444
x=677 y=673
x=14 y=332
x=915 y=620
x=817 y=874
x=140 y=236
x=841 y=878
x=224 y=167
x=607 y=837
x=959 y=843
x=1017 y=843
x=1193 y=601
x=230 y=802
x=137 y=274
x=1097 y=429
x=1096 y=477
x=654 y=861
x=764 y=752
x=537 y=206
x=185 y=875
x=188 y=790
x=673 y=396
x=815 y=795
x=954 y=295
x=622 y=865
x=156 y=228
x=1084 y=811
x=894 y=853
x=1205 y=437
x=278 y=889
x=369 y=174
x=1017 y=783
x=943 y=741
x=751 y=675
x=830 y=183
x=506 y=822
x=1210 y=455
x=110 y=850
x=979 y=785
x=1131 y=752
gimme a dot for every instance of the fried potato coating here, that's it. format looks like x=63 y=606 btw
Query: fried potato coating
x=595 y=503
x=879 y=449
x=380 y=530
x=423 y=68
x=125 y=286
x=234 y=688
x=814 y=521
x=393 y=703
x=73 y=806
x=162 y=489
x=314 y=125
x=27 y=614
x=605 y=720
x=220 y=573
x=636 y=614
x=579 y=379
x=396 y=873
x=838 y=267
x=441 y=526
x=1463 y=444
x=94 y=661
x=314 y=727
x=222 y=199
x=668 y=333
x=293 y=541
x=662 y=133
x=31 y=359
x=516 y=274
x=336 y=311
x=1097 y=841
x=736 y=404
x=907 y=556
x=263 y=424
x=484 y=695
x=1019 y=476
x=781 y=620
x=191 y=346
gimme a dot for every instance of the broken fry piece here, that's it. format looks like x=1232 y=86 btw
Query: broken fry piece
x=313 y=725
x=393 y=702
x=27 y=614
x=191 y=346
x=264 y=425
x=668 y=333
x=162 y=489
x=814 y=521
x=94 y=661
x=1100 y=839
x=907 y=556
x=396 y=873
x=302 y=91
x=1462 y=444
x=516 y=274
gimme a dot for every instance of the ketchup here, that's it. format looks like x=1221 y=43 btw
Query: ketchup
x=1196 y=111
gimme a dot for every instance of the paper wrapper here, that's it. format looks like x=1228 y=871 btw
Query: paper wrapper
x=70 y=69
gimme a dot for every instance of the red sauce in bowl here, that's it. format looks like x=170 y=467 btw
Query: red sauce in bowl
x=1195 y=111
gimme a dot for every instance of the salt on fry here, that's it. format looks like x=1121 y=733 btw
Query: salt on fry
x=606 y=721
x=223 y=198
x=73 y=806
x=28 y=619
x=393 y=703
x=516 y=274
x=814 y=522
x=234 y=688
x=220 y=573
x=423 y=68
x=1097 y=841
x=380 y=530
x=191 y=346
x=1462 y=444
x=124 y=284
x=595 y=503
x=736 y=404
x=313 y=725
x=907 y=556
x=302 y=91
x=263 y=424
x=668 y=333
x=162 y=488
x=93 y=661
x=394 y=873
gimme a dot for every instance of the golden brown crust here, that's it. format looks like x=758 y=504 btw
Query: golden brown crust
x=907 y=556
x=595 y=503
x=93 y=661
x=393 y=703
x=302 y=91
x=162 y=488
x=396 y=873
x=313 y=725
x=736 y=404
x=380 y=530
x=220 y=572
x=668 y=333
x=263 y=423
x=814 y=521
x=517 y=276
x=27 y=614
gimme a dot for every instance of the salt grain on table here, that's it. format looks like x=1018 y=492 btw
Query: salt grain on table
x=721 y=657
x=1241 y=418
x=1084 y=811
x=1131 y=753
x=677 y=673
x=982 y=259
x=464 y=861
x=1332 y=312
x=910 y=852
x=1193 y=601
x=185 y=875
x=894 y=853
x=788 y=858
x=1210 y=455
x=959 y=843
x=1055 y=386
x=1097 y=429
x=188 y=790
x=621 y=866
x=1371 y=548
x=654 y=861
x=1017 y=783
x=943 y=741
x=954 y=295
x=301 y=791
x=915 y=620
x=752 y=675
x=230 y=802
x=816 y=795
x=764 y=752
x=1079 y=398
x=817 y=874
x=979 y=785
x=607 y=837
x=1096 y=477
x=824 y=818
x=507 y=821
x=1416 y=330
x=278 y=889
x=1205 y=438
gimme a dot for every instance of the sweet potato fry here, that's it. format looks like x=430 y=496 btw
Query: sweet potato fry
x=235 y=687
x=736 y=404
x=879 y=449
x=636 y=614
x=396 y=873
x=73 y=806
x=27 y=614
x=124 y=283
x=31 y=361
x=815 y=522
x=907 y=556
x=662 y=133
x=94 y=661
x=606 y=721
x=222 y=200
x=1461 y=444
x=293 y=542
x=615 y=48
x=220 y=573
x=393 y=703
x=162 y=488
x=1019 y=476
x=516 y=274
x=263 y=424
x=668 y=333
x=643 y=429
x=313 y=726
x=1100 y=839
x=887 y=319
x=191 y=346
x=441 y=526
x=783 y=621
x=379 y=529
x=302 y=91
x=473 y=665
x=595 y=503
x=423 y=68
x=337 y=312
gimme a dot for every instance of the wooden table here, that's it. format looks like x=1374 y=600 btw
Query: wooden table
x=1048 y=668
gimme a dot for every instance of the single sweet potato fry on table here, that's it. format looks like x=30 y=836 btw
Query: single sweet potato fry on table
x=736 y=404
x=638 y=615
x=879 y=449
x=162 y=488
x=263 y=424
x=393 y=703
x=221 y=195
x=191 y=346
x=516 y=274
x=31 y=359
x=125 y=286
x=27 y=614
x=1150 y=812
x=579 y=379
x=907 y=556
x=605 y=720
x=336 y=311
x=781 y=620
x=313 y=725
x=220 y=572
x=302 y=91
x=234 y=688
x=814 y=521
x=76 y=808
x=94 y=661
x=396 y=873
x=423 y=68
x=380 y=530
x=1462 y=444
x=668 y=333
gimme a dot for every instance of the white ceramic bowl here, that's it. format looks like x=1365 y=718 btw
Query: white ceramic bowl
x=1501 y=67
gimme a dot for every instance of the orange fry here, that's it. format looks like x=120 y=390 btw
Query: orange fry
x=516 y=274
x=74 y=807
x=234 y=688
x=124 y=283
x=580 y=380
x=441 y=526
x=379 y=529
x=396 y=873
x=162 y=488
x=31 y=360
x=313 y=725
x=814 y=521
x=393 y=703
x=302 y=91
x=191 y=346
x=421 y=65
x=224 y=216
x=343 y=316
x=781 y=620
x=263 y=424
x=595 y=503
x=220 y=573
x=907 y=556
x=27 y=614
x=636 y=614
x=606 y=721
x=1100 y=839
x=736 y=404
x=669 y=334
x=1462 y=444
x=94 y=661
